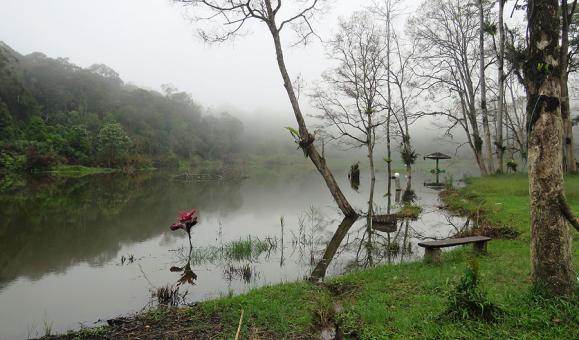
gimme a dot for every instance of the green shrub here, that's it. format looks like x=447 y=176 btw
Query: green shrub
x=39 y=158
x=468 y=302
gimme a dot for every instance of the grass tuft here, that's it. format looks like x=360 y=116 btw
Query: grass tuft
x=468 y=302
x=410 y=211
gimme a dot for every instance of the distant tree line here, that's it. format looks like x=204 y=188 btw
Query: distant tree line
x=54 y=112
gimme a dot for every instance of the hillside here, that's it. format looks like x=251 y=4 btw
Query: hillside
x=54 y=112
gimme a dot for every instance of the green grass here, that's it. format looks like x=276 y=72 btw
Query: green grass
x=248 y=248
x=407 y=301
x=244 y=249
x=504 y=200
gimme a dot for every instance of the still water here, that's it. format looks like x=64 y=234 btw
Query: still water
x=75 y=252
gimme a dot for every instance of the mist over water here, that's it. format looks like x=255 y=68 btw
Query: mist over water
x=66 y=268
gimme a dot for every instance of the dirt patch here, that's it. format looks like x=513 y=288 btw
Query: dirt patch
x=166 y=323
x=342 y=289
x=504 y=233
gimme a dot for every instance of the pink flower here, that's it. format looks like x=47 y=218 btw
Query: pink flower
x=188 y=216
x=176 y=226
x=186 y=220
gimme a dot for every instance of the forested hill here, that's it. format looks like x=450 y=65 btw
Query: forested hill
x=54 y=112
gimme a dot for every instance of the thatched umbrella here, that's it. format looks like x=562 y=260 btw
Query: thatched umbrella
x=437 y=156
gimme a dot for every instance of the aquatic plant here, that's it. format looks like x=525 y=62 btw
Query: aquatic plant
x=238 y=250
x=186 y=221
x=167 y=295
x=409 y=211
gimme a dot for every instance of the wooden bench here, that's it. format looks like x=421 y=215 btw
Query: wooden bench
x=432 y=249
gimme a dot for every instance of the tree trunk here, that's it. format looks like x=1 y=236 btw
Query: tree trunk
x=389 y=114
x=306 y=139
x=551 y=265
x=475 y=141
x=406 y=145
x=501 y=81
x=483 y=91
x=372 y=181
x=568 y=155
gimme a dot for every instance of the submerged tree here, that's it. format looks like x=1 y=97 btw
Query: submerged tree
x=233 y=16
x=551 y=256
x=349 y=99
x=401 y=76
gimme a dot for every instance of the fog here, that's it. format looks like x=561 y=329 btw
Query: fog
x=154 y=42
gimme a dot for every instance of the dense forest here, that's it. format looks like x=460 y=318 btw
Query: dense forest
x=54 y=112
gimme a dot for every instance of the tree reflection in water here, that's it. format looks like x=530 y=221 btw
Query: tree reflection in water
x=89 y=219
x=368 y=244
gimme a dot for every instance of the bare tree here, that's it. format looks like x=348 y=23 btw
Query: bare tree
x=278 y=17
x=551 y=256
x=402 y=78
x=385 y=13
x=446 y=34
x=567 y=12
x=501 y=83
x=516 y=120
x=400 y=75
x=349 y=99
x=483 y=87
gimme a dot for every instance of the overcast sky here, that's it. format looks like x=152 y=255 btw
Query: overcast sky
x=151 y=42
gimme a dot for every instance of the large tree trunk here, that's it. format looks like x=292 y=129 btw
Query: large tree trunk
x=501 y=80
x=551 y=266
x=483 y=91
x=306 y=139
x=568 y=154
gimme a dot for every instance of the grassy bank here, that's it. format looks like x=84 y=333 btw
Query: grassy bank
x=402 y=301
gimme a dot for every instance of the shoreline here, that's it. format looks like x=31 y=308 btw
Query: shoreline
x=403 y=300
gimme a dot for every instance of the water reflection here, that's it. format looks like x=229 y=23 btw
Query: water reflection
x=64 y=235
x=436 y=185
x=319 y=271
x=187 y=274
x=71 y=220
x=354 y=176
x=390 y=237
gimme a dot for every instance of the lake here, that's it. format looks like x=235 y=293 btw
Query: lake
x=78 y=251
